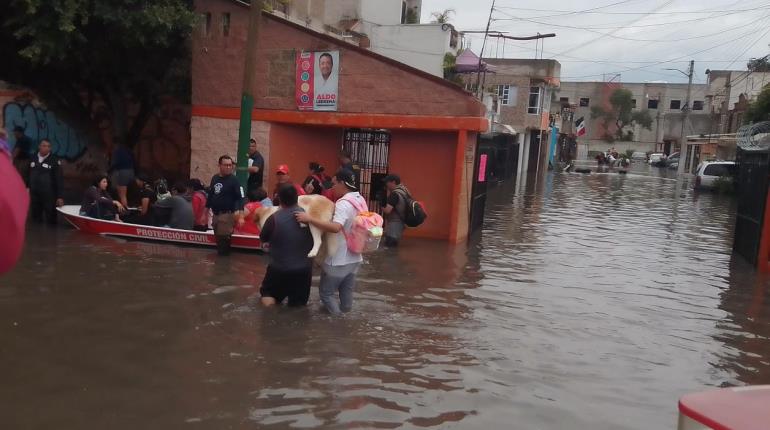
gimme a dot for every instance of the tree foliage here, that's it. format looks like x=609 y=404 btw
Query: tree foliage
x=442 y=17
x=620 y=115
x=759 y=64
x=125 y=53
x=759 y=109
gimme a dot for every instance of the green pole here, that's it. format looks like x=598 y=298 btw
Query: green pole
x=247 y=100
x=244 y=136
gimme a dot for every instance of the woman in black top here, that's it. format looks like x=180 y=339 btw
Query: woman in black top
x=314 y=183
x=97 y=202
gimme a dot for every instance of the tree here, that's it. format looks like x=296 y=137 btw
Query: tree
x=619 y=115
x=442 y=17
x=759 y=109
x=759 y=64
x=123 y=53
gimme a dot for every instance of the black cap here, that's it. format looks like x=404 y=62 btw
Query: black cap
x=347 y=177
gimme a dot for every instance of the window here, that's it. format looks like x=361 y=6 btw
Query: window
x=652 y=104
x=633 y=103
x=226 y=24
x=534 y=100
x=697 y=105
x=563 y=101
x=720 y=170
x=205 y=24
x=584 y=101
x=675 y=104
x=506 y=95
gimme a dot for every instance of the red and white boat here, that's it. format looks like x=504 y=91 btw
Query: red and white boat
x=738 y=408
x=144 y=232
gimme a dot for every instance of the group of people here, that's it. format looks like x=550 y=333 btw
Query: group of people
x=225 y=207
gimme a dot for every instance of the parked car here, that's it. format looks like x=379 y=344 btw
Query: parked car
x=656 y=158
x=709 y=172
x=672 y=162
x=639 y=156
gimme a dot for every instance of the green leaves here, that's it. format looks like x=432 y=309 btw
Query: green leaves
x=619 y=115
x=759 y=109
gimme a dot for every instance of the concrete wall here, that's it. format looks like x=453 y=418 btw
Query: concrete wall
x=296 y=146
x=383 y=12
x=421 y=46
x=213 y=137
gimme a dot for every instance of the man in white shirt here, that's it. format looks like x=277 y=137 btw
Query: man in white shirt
x=340 y=267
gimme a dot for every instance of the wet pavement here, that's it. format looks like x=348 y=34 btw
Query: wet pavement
x=587 y=302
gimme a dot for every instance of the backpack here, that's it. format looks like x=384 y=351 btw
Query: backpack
x=365 y=230
x=414 y=212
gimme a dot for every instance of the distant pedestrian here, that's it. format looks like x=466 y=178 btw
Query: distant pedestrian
x=256 y=167
x=339 y=268
x=180 y=206
x=395 y=209
x=225 y=197
x=22 y=151
x=122 y=169
x=46 y=186
x=290 y=271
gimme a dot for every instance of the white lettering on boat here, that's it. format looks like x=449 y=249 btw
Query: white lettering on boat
x=172 y=235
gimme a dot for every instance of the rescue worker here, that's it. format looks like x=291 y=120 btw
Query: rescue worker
x=225 y=199
x=45 y=184
x=256 y=167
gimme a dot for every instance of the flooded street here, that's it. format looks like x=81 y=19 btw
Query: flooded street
x=587 y=302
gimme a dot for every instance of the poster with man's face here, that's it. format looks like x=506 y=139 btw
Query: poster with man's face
x=318 y=80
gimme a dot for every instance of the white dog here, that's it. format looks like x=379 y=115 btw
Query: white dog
x=318 y=207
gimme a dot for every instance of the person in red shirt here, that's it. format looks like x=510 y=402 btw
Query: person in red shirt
x=14 y=203
x=200 y=211
x=247 y=223
x=282 y=177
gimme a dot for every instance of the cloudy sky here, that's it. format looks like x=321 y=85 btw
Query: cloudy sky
x=636 y=38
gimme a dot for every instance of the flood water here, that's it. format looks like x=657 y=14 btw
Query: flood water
x=587 y=302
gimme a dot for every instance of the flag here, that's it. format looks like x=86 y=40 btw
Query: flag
x=580 y=126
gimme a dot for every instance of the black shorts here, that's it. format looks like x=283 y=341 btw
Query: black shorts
x=280 y=284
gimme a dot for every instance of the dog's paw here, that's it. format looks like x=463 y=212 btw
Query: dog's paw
x=312 y=254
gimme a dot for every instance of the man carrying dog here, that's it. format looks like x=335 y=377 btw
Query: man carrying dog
x=225 y=199
x=290 y=271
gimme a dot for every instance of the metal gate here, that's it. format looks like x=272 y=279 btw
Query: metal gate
x=479 y=190
x=752 y=186
x=368 y=150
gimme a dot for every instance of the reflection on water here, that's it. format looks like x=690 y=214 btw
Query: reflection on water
x=586 y=302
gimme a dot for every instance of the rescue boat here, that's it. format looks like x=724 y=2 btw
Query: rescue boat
x=71 y=213
x=736 y=408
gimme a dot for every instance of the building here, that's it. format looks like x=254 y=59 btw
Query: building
x=729 y=94
x=523 y=91
x=664 y=101
x=388 y=27
x=390 y=116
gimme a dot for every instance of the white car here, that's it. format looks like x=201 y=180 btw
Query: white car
x=656 y=157
x=639 y=156
x=709 y=171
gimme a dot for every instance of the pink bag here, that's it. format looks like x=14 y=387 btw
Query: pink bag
x=365 y=231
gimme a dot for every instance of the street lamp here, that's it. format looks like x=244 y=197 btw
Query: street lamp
x=686 y=113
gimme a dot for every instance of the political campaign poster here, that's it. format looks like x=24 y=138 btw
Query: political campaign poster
x=318 y=80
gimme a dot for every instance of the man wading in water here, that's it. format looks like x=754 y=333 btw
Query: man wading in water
x=225 y=198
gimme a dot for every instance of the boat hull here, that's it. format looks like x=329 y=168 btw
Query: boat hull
x=151 y=233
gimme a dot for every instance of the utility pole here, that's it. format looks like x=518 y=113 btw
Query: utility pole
x=480 y=92
x=247 y=96
x=686 y=113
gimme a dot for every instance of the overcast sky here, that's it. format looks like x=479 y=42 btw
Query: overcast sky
x=595 y=37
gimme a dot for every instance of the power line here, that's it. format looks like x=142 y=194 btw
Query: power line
x=614 y=27
x=577 y=12
x=625 y=13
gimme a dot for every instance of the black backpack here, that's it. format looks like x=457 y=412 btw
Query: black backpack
x=414 y=213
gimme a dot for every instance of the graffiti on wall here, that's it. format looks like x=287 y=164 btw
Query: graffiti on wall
x=40 y=123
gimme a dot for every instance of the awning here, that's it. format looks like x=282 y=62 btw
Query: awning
x=468 y=62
